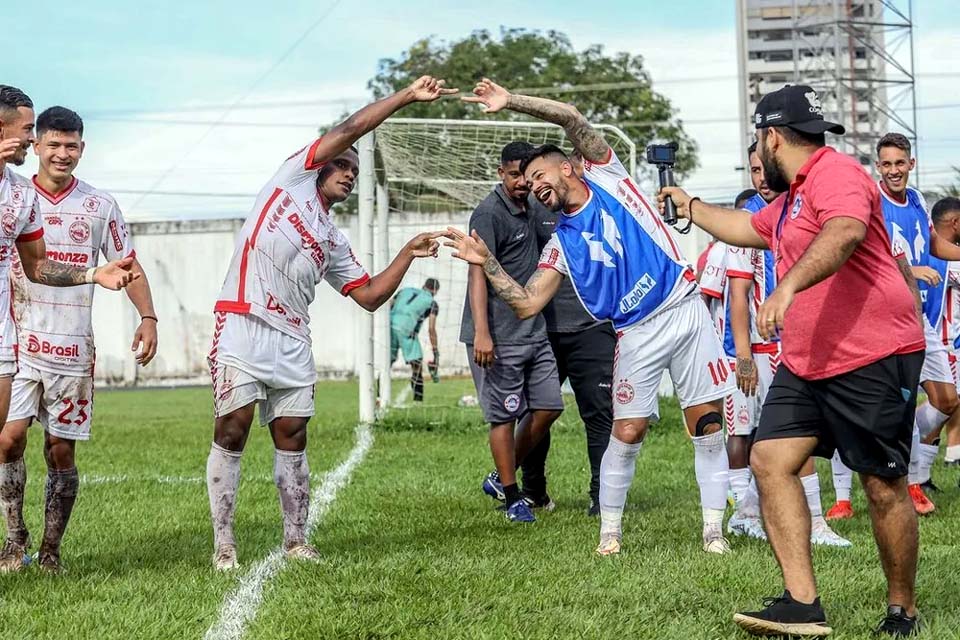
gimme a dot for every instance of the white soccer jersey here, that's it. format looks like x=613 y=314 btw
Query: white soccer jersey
x=748 y=264
x=713 y=284
x=19 y=222
x=286 y=247
x=55 y=325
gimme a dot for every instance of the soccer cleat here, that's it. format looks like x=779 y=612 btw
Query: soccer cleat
x=749 y=526
x=302 y=551
x=225 y=558
x=539 y=502
x=493 y=487
x=520 y=512
x=49 y=562
x=929 y=487
x=921 y=502
x=897 y=624
x=714 y=542
x=784 y=616
x=609 y=545
x=14 y=556
x=840 y=511
x=822 y=535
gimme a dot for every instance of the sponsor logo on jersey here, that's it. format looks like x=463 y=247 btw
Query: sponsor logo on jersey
x=797 y=205
x=274 y=305
x=34 y=345
x=512 y=402
x=636 y=295
x=71 y=257
x=9 y=221
x=554 y=256
x=743 y=417
x=91 y=203
x=16 y=194
x=624 y=392
x=115 y=234
x=54 y=221
x=80 y=231
x=307 y=241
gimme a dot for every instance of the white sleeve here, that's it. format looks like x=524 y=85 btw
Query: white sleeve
x=31 y=225
x=299 y=169
x=715 y=271
x=608 y=174
x=552 y=257
x=953 y=275
x=116 y=243
x=345 y=272
x=739 y=262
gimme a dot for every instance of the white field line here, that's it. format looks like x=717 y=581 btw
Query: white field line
x=240 y=606
x=401 y=400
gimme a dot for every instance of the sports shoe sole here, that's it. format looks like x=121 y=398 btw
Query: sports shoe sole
x=761 y=627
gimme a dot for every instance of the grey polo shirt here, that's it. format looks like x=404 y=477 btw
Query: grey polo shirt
x=565 y=313
x=506 y=230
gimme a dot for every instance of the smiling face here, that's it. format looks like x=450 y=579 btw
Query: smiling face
x=59 y=153
x=19 y=124
x=549 y=177
x=337 y=178
x=894 y=165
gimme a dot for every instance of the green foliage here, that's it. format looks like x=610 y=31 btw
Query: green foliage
x=547 y=65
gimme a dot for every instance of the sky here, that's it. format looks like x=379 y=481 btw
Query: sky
x=181 y=98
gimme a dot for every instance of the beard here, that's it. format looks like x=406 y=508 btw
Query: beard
x=773 y=174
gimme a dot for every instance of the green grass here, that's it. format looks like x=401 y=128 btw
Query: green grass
x=411 y=547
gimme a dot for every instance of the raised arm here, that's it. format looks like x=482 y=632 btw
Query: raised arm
x=33 y=256
x=381 y=287
x=342 y=136
x=727 y=225
x=527 y=300
x=587 y=140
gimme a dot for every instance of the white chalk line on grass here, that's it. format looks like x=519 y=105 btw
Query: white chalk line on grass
x=401 y=400
x=240 y=606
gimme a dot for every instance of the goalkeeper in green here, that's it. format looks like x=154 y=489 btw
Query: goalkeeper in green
x=410 y=307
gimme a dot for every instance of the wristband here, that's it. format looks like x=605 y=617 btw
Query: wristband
x=154 y=318
x=88 y=276
x=690 y=205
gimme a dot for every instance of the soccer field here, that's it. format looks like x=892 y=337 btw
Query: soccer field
x=411 y=548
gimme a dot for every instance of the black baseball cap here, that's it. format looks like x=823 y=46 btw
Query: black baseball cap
x=796 y=106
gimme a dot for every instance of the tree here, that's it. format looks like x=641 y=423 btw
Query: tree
x=614 y=89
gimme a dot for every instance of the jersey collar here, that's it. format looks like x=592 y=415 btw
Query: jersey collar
x=60 y=197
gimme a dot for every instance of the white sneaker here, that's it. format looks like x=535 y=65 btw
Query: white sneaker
x=225 y=558
x=609 y=545
x=822 y=534
x=302 y=551
x=714 y=542
x=749 y=526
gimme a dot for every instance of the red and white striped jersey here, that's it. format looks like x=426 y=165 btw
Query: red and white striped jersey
x=19 y=222
x=286 y=247
x=55 y=325
x=950 y=327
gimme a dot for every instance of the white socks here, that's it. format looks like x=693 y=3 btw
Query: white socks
x=913 y=469
x=13 y=480
x=616 y=474
x=928 y=418
x=713 y=471
x=223 y=479
x=953 y=453
x=842 y=477
x=292 y=476
x=811 y=488
x=740 y=486
x=928 y=455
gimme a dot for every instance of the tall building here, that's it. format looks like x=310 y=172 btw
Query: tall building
x=857 y=54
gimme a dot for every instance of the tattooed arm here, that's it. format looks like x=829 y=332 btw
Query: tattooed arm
x=33 y=256
x=587 y=140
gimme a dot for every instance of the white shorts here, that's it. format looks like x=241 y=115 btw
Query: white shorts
x=250 y=361
x=681 y=340
x=62 y=404
x=936 y=362
x=742 y=412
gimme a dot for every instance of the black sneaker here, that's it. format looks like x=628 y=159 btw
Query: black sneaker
x=593 y=510
x=929 y=487
x=897 y=624
x=542 y=501
x=785 y=616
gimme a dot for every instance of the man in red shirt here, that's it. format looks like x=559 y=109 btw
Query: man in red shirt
x=852 y=354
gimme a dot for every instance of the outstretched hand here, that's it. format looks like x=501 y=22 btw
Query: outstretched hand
x=469 y=248
x=425 y=244
x=491 y=95
x=428 y=89
x=116 y=275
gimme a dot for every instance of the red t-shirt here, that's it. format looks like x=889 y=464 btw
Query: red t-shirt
x=862 y=313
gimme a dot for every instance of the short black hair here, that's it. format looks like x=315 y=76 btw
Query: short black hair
x=516 y=150
x=897 y=140
x=752 y=148
x=802 y=139
x=59 y=119
x=12 y=99
x=432 y=283
x=944 y=206
x=743 y=196
x=540 y=152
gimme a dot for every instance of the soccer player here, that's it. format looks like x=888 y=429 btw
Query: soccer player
x=513 y=366
x=21 y=226
x=626 y=268
x=751 y=277
x=261 y=353
x=410 y=307
x=852 y=350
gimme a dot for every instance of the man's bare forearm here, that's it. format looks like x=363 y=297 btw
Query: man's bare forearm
x=584 y=137
x=907 y=272
x=835 y=243
x=731 y=226
x=477 y=292
x=140 y=295
x=519 y=298
x=58 y=274
x=740 y=316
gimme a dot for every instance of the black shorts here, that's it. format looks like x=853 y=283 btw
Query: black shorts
x=866 y=414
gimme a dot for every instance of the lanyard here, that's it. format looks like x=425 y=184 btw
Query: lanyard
x=783 y=217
